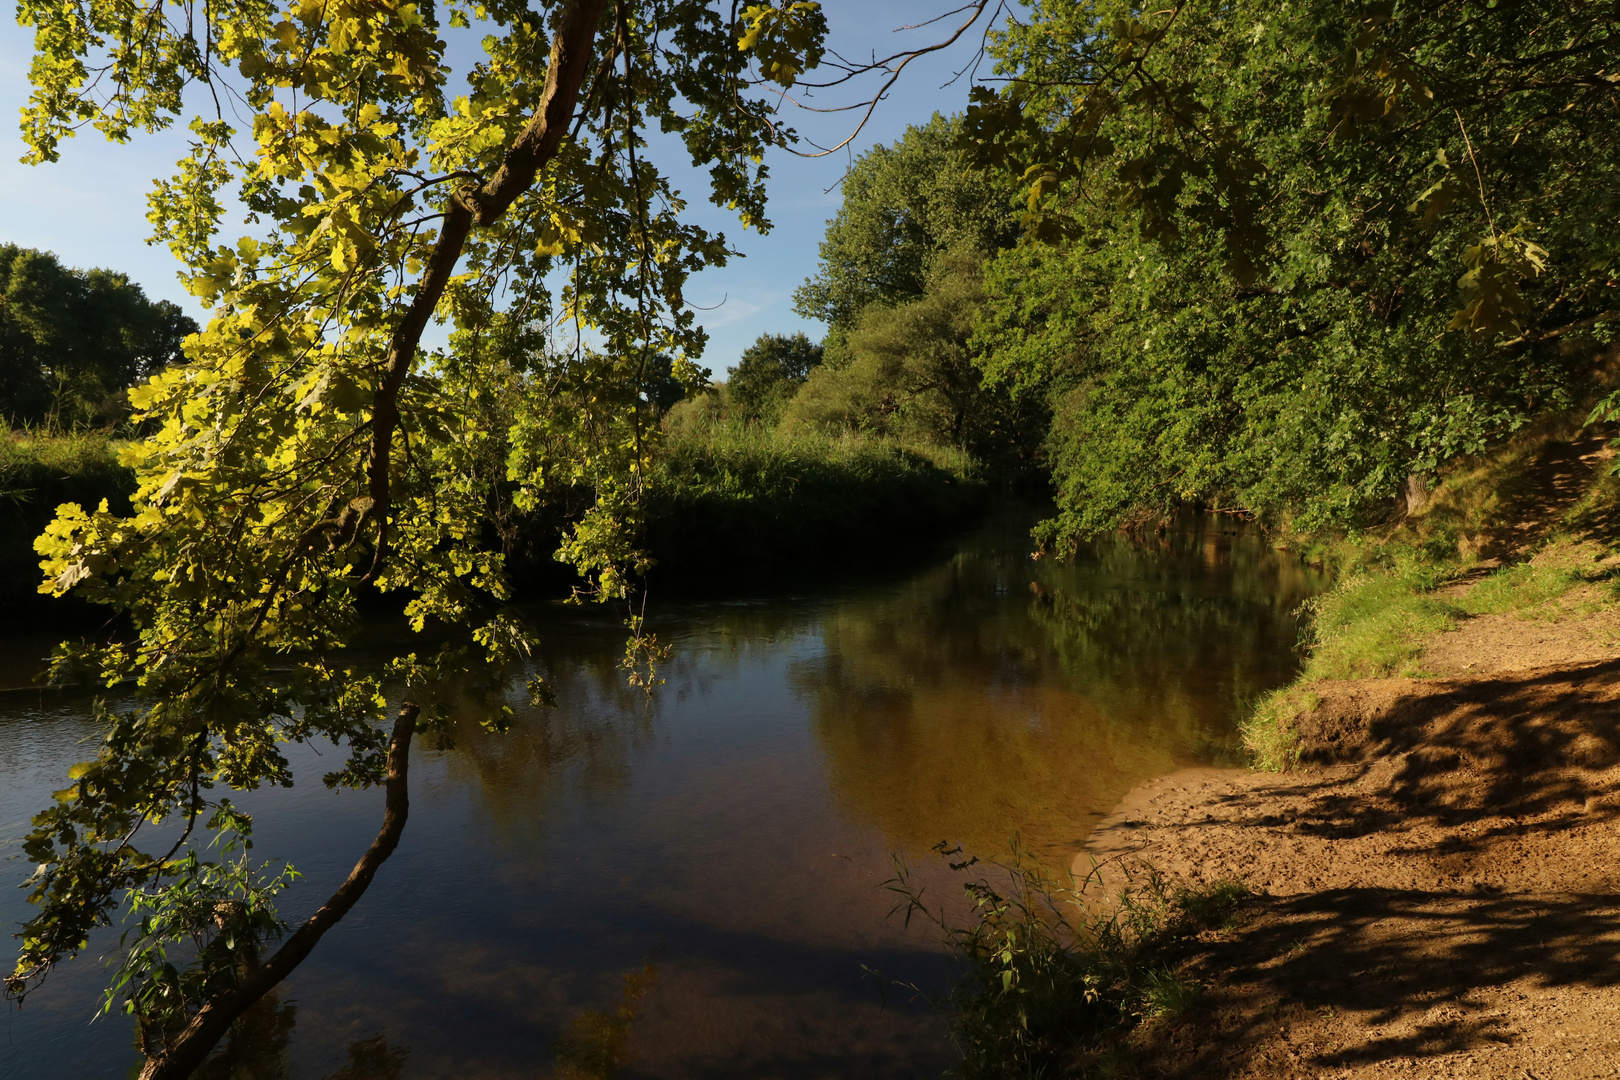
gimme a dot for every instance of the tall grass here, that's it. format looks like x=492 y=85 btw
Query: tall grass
x=35 y=467
x=730 y=497
x=1050 y=975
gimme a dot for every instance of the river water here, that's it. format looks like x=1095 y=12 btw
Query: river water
x=691 y=884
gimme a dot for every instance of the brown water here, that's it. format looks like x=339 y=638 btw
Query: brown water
x=723 y=844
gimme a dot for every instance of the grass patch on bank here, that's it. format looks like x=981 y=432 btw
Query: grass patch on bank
x=1401 y=586
x=34 y=467
x=739 y=498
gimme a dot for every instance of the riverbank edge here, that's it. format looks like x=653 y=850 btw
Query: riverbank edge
x=729 y=518
x=1425 y=837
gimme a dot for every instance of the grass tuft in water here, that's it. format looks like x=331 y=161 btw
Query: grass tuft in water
x=1050 y=976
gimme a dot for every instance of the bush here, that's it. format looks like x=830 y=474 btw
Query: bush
x=1049 y=974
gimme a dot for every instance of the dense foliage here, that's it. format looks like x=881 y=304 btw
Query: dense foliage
x=308 y=451
x=904 y=207
x=900 y=285
x=71 y=341
x=770 y=371
x=1292 y=254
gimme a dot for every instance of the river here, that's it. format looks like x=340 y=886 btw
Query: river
x=691 y=884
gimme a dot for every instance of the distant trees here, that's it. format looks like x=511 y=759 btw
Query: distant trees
x=71 y=341
x=905 y=206
x=770 y=371
x=905 y=367
x=900 y=286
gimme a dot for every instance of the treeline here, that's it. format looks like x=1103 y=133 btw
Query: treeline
x=72 y=342
x=900 y=285
x=1288 y=261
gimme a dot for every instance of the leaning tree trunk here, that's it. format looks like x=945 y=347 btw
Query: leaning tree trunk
x=477 y=204
x=218 y=1013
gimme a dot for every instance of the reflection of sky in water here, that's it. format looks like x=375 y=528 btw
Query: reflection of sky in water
x=733 y=831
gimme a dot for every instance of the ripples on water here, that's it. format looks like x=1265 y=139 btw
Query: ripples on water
x=689 y=886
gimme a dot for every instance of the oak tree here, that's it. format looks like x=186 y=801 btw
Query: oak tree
x=310 y=449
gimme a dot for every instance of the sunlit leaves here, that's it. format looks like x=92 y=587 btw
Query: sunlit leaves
x=1492 y=302
x=257 y=524
x=786 y=41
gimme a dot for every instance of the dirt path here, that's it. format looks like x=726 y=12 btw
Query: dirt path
x=1440 y=886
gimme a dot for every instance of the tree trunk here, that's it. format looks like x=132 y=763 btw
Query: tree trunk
x=217 y=1015
x=1414 y=495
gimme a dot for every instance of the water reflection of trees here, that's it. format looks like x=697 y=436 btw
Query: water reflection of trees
x=256 y=1049
x=995 y=696
x=987 y=696
x=580 y=749
x=583 y=748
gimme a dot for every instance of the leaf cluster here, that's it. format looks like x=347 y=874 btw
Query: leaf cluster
x=1286 y=257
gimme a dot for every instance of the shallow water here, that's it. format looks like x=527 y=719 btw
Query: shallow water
x=722 y=845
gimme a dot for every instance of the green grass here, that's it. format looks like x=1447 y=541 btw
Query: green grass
x=729 y=498
x=1269 y=732
x=1049 y=975
x=33 y=466
x=1401 y=586
x=1166 y=994
x=1373 y=623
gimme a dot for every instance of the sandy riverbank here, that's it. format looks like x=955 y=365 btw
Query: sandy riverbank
x=1437 y=886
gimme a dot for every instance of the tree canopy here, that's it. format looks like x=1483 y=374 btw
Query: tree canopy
x=770 y=370
x=309 y=451
x=72 y=340
x=904 y=207
x=1282 y=257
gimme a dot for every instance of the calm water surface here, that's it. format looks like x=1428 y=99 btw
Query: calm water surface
x=696 y=878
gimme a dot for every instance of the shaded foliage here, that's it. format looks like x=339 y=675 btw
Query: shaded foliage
x=1052 y=974
x=71 y=341
x=1293 y=255
x=736 y=502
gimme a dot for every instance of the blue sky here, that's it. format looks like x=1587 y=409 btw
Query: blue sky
x=90 y=207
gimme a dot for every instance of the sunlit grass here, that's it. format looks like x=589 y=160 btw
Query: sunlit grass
x=26 y=459
x=728 y=494
x=1403 y=585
